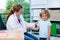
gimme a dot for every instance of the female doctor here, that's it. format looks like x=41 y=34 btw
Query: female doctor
x=15 y=21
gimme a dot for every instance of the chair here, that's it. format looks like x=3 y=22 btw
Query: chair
x=2 y=26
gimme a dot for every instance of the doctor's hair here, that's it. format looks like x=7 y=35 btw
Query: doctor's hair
x=15 y=8
x=44 y=11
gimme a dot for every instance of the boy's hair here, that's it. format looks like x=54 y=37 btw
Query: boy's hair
x=45 y=12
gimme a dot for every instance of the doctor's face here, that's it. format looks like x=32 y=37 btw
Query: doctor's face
x=20 y=11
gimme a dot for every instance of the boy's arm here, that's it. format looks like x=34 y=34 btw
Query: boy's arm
x=49 y=28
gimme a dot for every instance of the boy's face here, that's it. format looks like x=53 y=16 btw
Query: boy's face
x=44 y=17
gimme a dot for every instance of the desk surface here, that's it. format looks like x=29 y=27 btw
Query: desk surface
x=12 y=35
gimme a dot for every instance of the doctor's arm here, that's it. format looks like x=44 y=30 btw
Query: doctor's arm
x=31 y=26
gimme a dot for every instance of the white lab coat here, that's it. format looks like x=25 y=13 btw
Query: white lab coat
x=13 y=24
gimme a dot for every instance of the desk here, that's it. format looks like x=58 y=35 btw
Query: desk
x=12 y=35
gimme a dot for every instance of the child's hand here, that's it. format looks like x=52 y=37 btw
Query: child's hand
x=48 y=38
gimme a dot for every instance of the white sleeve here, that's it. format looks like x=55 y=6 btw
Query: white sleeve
x=31 y=24
x=49 y=23
x=26 y=23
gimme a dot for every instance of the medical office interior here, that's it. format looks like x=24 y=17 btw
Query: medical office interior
x=31 y=11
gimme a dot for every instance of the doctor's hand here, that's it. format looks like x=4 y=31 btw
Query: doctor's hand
x=36 y=23
x=29 y=28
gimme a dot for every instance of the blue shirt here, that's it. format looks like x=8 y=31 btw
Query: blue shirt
x=43 y=25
